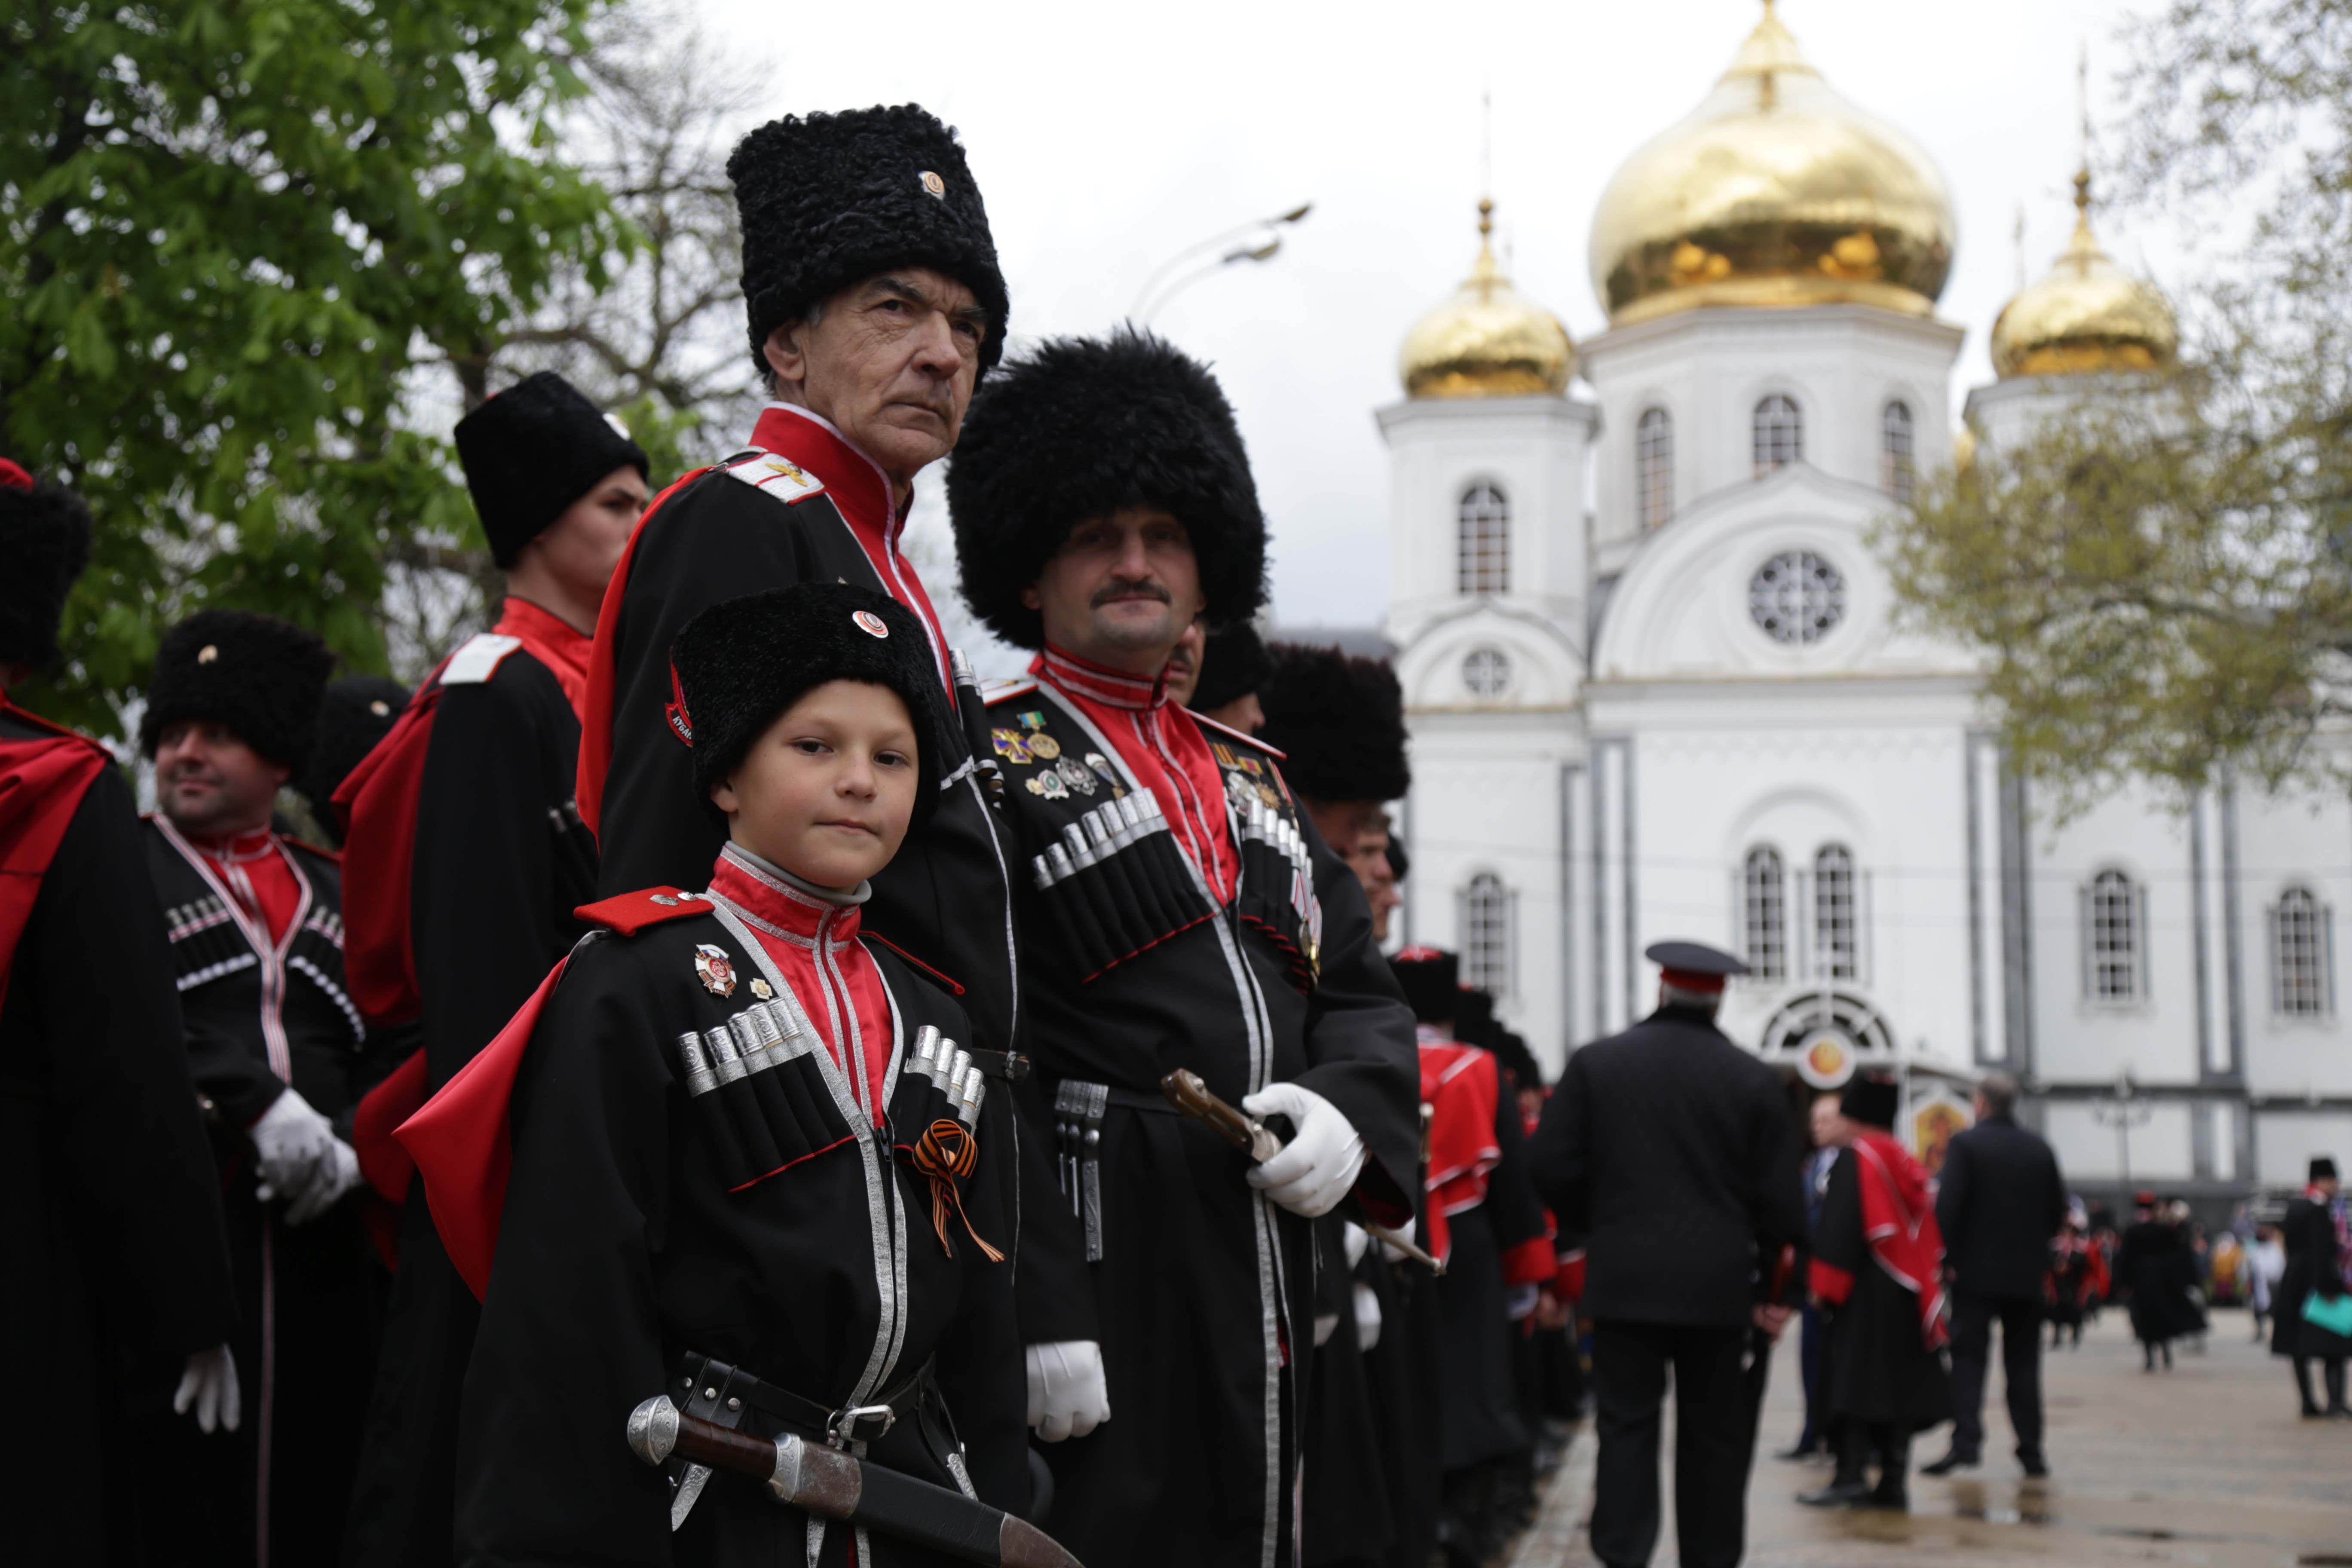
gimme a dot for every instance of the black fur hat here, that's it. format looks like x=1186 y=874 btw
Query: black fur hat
x=1233 y=665
x=1079 y=429
x=44 y=545
x=1431 y=979
x=257 y=674
x=355 y=713
x=828 y=199
x=743 y=661
x=1340 y=721
x=2323 y=1169
x=1400 y=863
x=534 y=450
x=1871 y=1099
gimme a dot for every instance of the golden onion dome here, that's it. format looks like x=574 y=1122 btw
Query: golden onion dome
x=2088 y=314
x=1774 y=191
x=1487 y=340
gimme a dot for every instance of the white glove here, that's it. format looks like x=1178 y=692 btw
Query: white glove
x=1068 y=1396
x=294 y=1145
x=336 y=1175
x=1316 y=1169
x=210 y=1385
x=1368 y=1318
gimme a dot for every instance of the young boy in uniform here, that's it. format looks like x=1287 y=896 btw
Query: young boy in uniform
x=751 y=1167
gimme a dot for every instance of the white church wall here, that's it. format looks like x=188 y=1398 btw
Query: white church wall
x=2296 y=844
x=2286 y=1140
x=2160 y=1149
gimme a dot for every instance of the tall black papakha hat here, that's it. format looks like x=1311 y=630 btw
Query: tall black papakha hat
x=1079 y=429
x=1234 y=664
x=1871 y=1099
x=741 y=662
x=826 y=200
x=534 y=450
x=1339 y=722
x=2322 y=1169
x=259 y=676
x=355 y=713
x=1431 y=978
x=44 y=545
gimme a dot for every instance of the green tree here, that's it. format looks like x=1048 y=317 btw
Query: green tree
x=230 y=233
x=2161 y=579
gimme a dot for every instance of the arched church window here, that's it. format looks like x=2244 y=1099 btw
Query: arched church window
x=2302 y=956
x=1895 y=451
x=1486 y=556
x=1834 y=916
x=1766 y=914
x=2115 y=919
x=1653 y=468
x=1780 y=434
x=1487 y=935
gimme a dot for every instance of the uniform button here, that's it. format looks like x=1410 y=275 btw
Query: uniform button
x=734 y=1405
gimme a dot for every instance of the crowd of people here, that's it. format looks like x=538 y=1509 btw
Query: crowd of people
x=701 y=1078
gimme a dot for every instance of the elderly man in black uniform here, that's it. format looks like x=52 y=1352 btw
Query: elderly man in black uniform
x=1671 y=1150
x=280 y=1052
x=112 y=1231
x=876 y=306
x=1179 y=911
x=468 y=858
x=2000 y=1202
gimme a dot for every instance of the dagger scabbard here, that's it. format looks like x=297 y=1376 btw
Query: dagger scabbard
x=841 y=1487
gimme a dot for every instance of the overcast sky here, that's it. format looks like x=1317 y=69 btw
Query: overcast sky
x=1106 y=138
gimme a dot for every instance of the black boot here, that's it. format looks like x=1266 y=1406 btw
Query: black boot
x=2311 y=1411
x=1892 y=1490
x=1848 y=1487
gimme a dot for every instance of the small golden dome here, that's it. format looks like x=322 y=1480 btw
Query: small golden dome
x=1774 y=191
x=1489 y=339
x=2087 y=315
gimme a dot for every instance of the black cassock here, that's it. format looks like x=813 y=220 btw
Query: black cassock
x=117 y=1264
x=1134 y=968
x=1877 y=1371
x=2147 y=1266
x=262 y=1016
x=501 y=860
x=803 y=505
x=642 y=1225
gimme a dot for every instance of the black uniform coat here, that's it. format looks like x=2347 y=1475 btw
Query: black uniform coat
x=117 y=1261
x=1203 y=1286
x=1479 y=1413
x=1876 y=1370
x=2000 y=1202
x=2144 y=1267
x=277 y=1489
x=776 y=515
x=501 y=860
x=1670 y=1150
x=1344 y=1507
x=2309 y=1235
x=622 y=1249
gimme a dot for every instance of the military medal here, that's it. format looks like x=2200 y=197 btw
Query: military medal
x=1045 y=746
x=761 y=989
x=715 y=968
x=1076 y=777
x=1047 y=785
x=1101 y=764
x=1011 y=744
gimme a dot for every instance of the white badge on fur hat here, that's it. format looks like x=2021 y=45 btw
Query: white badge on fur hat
x=933 y=183
x=869 y=622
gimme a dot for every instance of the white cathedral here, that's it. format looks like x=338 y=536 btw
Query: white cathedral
x=1689 y=712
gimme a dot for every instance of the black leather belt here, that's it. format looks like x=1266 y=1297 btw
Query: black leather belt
x=720 y=1393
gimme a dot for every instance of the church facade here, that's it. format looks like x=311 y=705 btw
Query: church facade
x=1658 y=687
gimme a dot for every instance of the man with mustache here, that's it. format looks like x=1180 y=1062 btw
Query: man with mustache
x=1179 y=910
x=875 y=305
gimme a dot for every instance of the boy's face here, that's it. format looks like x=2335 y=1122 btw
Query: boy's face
x=827 y=790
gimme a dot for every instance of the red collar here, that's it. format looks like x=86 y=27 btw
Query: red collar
x=775 y=899
x=1099 y=683
x=551 y=640
x=236 y=849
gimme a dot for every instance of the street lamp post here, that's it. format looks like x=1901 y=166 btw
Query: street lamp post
x=2123 y=1111
x=1265 y=239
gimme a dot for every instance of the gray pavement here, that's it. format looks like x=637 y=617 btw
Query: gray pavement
x=2207 y=1465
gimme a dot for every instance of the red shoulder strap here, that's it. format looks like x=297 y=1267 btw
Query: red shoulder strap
x=42 y=781
x=629 y=913
x=596 y=714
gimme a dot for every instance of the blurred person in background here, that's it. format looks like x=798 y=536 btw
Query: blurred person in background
x=2317 y=1234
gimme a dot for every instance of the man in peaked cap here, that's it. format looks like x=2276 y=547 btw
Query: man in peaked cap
x=112 y=1218
x=1177 y=909
x=1671 y=1118
x=467 y=856
x=875 y=305
x=279 y=1054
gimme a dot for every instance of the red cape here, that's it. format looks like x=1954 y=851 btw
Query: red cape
x=42 y=781
x=1460 y=1085
x=1898 y=1221
x=461 y=1140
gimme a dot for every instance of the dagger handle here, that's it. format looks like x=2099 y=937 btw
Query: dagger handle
x=1189 y=1094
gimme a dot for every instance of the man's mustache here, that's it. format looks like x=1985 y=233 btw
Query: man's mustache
x=1141 y=587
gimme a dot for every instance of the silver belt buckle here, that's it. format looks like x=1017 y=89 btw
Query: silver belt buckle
x=864 y=1423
